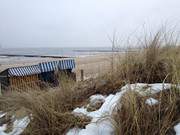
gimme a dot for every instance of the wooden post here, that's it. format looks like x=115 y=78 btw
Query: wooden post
x=0 y=90
x=82 y=75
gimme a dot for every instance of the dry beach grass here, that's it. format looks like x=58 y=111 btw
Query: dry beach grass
x=157 y=61
x=135 y=117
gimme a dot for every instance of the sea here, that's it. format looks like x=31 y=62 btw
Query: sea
x=66 y=52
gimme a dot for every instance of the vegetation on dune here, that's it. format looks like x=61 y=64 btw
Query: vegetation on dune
x=157 y=61
x=51 y=110
x=135 y=117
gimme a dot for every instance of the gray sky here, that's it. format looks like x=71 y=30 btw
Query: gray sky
x=79 y=23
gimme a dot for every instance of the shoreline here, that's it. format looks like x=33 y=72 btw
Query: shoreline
x=92 y=65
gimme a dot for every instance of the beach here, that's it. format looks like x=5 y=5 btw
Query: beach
x=92 y=65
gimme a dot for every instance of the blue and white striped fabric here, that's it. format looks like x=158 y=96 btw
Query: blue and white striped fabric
x=24 y=71
x=48 y=66
x=42 y=67
x=66 y=64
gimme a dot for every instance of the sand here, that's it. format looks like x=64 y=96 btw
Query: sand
x=92 y=66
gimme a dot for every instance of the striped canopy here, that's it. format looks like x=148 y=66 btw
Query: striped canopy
x=24 y=71
x=48 y=66
x=57 y=65
x=66 y=64
x=42 y=67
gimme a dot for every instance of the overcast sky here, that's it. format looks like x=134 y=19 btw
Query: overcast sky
x=79 y=23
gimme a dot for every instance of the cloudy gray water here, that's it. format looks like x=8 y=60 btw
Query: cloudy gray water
x=54 y=51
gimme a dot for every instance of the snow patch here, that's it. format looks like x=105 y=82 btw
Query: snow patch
x=18 y=127
x=97 y=125
x=177 y=129
x=147 y=89
x=151 y=101
x=157 y=87
x=105 y=127
x=2 y=128
x=106 y=108
x=2 y=114
x=80 y=111
x=95 y=98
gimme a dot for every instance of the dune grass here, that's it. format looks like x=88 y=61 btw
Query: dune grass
x=135 y=117
x=51 y=109
x=157 y=61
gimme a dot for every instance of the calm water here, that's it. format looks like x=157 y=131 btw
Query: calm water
x=54 y=51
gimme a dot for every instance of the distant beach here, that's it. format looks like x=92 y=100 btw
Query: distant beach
x=66 y=52
x=94 y=62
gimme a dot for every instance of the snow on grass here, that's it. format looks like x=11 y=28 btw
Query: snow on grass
x=80 y=111
x=2 y=114
x=103 y=127
x=96 y=98
x=99 y=126
x=3 y=128
x=101 y=123
x=18 y=127
x=151 y=101
x=106 y=108
x=146 y=89
x=157 y=87
x=74 y=131
x=177 y=129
